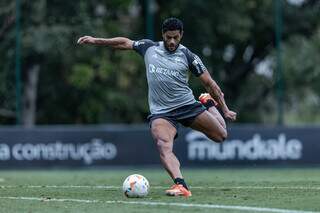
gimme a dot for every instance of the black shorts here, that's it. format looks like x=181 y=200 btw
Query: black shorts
x=184 y=115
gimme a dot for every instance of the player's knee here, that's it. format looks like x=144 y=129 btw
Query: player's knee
x=222 y=136
x=219 y=137
x=163 y=145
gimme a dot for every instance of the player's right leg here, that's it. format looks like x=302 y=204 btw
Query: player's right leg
x=211 y=106
x=214 y=111
x=163 y=133
x=210 y=122
x=210 y=126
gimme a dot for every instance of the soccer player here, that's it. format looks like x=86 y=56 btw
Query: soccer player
x=171 y=101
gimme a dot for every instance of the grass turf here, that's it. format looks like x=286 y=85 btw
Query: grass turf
x=294 y=189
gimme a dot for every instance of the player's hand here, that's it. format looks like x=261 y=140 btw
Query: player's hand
x=86 y=40
x=230 y=115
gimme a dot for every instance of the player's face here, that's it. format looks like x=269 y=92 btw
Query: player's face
x=172 y=39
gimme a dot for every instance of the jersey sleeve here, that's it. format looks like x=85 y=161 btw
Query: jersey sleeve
x=141 y=46
x=194 y=62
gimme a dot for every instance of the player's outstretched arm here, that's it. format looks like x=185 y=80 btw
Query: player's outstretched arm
x=216 y=93
x=120 y=43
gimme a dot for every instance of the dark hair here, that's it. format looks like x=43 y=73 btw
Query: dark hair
x=171 y=24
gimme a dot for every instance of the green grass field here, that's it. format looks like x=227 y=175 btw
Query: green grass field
x=214 y=190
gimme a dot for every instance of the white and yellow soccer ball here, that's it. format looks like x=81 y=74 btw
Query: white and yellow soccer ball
x=135 y=186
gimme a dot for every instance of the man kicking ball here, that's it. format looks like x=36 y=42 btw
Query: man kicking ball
x=171 y=101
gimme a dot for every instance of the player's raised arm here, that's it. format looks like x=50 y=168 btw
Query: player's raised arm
x=216 y=93
x=120 y=43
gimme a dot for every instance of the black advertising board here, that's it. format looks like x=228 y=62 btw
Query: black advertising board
x=122 y=145
x=254 y=145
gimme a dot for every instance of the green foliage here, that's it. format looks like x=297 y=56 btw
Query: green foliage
x=302 y=71
x=81 y=76
x=240 y=35
x=90 y=84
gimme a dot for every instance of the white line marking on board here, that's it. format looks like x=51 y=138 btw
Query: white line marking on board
x=162 y=187
x=146 y=203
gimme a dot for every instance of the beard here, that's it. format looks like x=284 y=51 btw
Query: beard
x=171 y=49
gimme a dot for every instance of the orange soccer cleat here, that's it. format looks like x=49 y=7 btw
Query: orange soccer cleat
x=205 y=97
x=178 y=190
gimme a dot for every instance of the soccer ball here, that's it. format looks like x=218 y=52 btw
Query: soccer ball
x=135 y=186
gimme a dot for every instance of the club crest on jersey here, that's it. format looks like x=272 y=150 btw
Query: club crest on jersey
x=177 y=59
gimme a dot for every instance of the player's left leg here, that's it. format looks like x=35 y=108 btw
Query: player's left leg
x=163 y=133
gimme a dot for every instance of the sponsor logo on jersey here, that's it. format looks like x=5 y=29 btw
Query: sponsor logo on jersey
x=160 y=70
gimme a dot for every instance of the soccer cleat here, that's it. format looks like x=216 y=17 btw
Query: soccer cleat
x=178 y=190
x=205 y=97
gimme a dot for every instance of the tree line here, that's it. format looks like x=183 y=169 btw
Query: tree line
x=63 y=83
